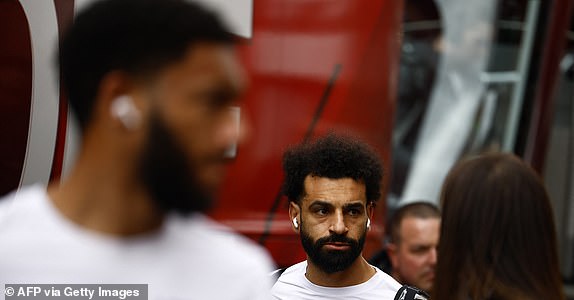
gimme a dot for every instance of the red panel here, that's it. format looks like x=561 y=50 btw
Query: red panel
x=15 y=92
x=542 y=116
x=65 y=15
x=315 y=65
x=292 y=58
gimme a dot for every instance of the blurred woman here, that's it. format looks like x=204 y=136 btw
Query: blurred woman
x=498 y=239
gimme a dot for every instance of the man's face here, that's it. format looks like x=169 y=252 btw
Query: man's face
x=414 y=257
x=190 y=127
x=333 y=216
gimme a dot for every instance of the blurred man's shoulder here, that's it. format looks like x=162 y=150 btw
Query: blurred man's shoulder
x=216 y=251
x=21 y=205
x=224 y=244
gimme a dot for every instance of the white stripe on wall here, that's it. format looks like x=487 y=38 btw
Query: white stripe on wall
x=43 y=25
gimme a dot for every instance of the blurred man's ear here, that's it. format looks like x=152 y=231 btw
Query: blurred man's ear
x=115 y=101
x=392 y=252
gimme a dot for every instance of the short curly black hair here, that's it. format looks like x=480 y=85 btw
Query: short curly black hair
x=332 y=156
x=137 y=37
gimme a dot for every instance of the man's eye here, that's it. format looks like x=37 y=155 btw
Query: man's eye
x=354 y=212
x=322 y=211
x=420 y=250
x=214 y=99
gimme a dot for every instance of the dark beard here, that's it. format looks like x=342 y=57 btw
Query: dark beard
x=331 y=261
x=168 y=175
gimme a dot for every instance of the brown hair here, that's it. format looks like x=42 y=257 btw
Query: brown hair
x=498 y=239
x=419 y=209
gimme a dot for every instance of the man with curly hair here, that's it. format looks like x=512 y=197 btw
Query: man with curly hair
x=332 y=185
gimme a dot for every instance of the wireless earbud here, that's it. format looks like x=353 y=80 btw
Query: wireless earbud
x=368 y=223
x=295 y=223
x=125 y=111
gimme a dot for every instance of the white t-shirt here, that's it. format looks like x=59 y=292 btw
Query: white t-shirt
x=293 y=284
x=187 y=258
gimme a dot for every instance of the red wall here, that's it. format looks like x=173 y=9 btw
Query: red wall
x=15 y=92
x=295 y=51
x=314 y=65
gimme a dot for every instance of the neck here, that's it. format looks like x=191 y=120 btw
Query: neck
x=396 y=276
x=359 y=272
x=103 y=195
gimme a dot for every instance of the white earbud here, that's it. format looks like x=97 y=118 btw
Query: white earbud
x=125 y=111
x=295 y=223
x=368 y=223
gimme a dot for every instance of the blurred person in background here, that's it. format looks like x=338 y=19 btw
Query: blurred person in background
x=150 y=83
x=332 y=185
x=413 y=241
x=498 y=239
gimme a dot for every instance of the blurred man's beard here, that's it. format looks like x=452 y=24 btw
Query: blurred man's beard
x=168 y=175
x=331 y=261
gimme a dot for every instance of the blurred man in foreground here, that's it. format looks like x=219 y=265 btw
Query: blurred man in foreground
x=150 y=83
x=332 y=185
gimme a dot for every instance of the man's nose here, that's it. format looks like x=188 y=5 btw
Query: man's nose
x=338 y=225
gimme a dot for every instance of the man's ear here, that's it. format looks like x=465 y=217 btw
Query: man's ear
x=370 y=210
x=114 y=101
x=295 y=215
x=392 y=252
